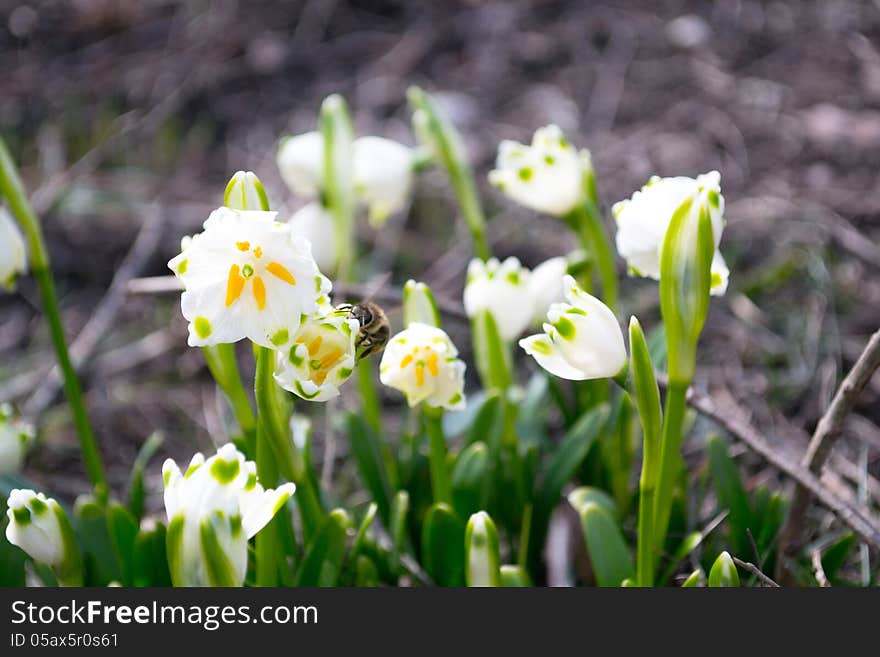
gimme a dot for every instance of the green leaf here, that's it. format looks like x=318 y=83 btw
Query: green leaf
x=443 y=551
x=694 y=580
x=723 y=573
x=565 y=462
x=367 y=453
x=366 y=573
x=514 y=577
x=482 y=553
x=647 y=398
x=399 y=512
x=123 y=529
x=732 y=495
x=489 y=421
x=571 y=453
x=579 y=497
x=339 y=193
x=361 y=535
x=491 y=353
x=149 y=559
x=837 y=554
x=608 y=551
x=322 y=564
x=468 y=476
x=93 y=533
x=136 y=478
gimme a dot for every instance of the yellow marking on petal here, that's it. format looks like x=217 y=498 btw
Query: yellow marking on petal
x=320 y=377
x=420 y=374
x=314 y=345
x=432 y=364
x=260 y=292
x=234 y=285
x=280 y=271
x=331 y=358
x=258 y=252
x=406 y=361
x=243 y=246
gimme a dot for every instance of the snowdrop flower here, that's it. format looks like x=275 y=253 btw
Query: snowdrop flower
x=548 y=176
x=321 y=358
x=545 y=286
x=581 y=339
x=15 y=437
x=423 y=364
x=643 y=219
x=40 y=527
x=247 y=276
x=13 y=253
x=315 y=223
x=502 y=289
x=300 y=160
x=382 y=176
x=213 y=509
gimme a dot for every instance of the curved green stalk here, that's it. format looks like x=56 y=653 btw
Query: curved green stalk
x=670 y=457
x=224 y=368
x=586 y=221
x=445 y=142
x=12 y=188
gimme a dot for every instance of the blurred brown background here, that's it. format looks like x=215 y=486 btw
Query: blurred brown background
x=129 y=117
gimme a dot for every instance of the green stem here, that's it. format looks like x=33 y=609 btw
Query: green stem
x=338 y=134
x=369 y=396
x=448 y=148
x=224 y=368
x=267 y=545
x=273 y=420
x=670 y=456
x=12 y=188
x=586 y=220
x=645 y=538
x=441 y=483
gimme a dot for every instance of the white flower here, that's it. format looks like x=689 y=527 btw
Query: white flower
x=217 y=503
x=502 y=289
x=247 y=276
x=35 y=526
x=423 y=364
x=15 y=436
x=547 y=176
x=315 y=223
x=13 y=254
x=300 y=160
x=321 y=358
x=643 y=219
x=382 y=176
x=546 y=286
x=582 y=339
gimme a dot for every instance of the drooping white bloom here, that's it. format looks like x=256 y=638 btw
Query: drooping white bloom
x=213 y=509
x=35 y=525
x=247 y=276
x=300 y=160
x=15 y=437
x=315 y=223
x=13 y=253
x=547 y=176
x=642 y=221
x=321 y=357
x=382 y=176
x=546 y=286
x=581 y=339
x=502 y=289
x=423 y=364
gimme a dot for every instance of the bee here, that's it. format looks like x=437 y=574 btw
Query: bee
x=374 y=327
